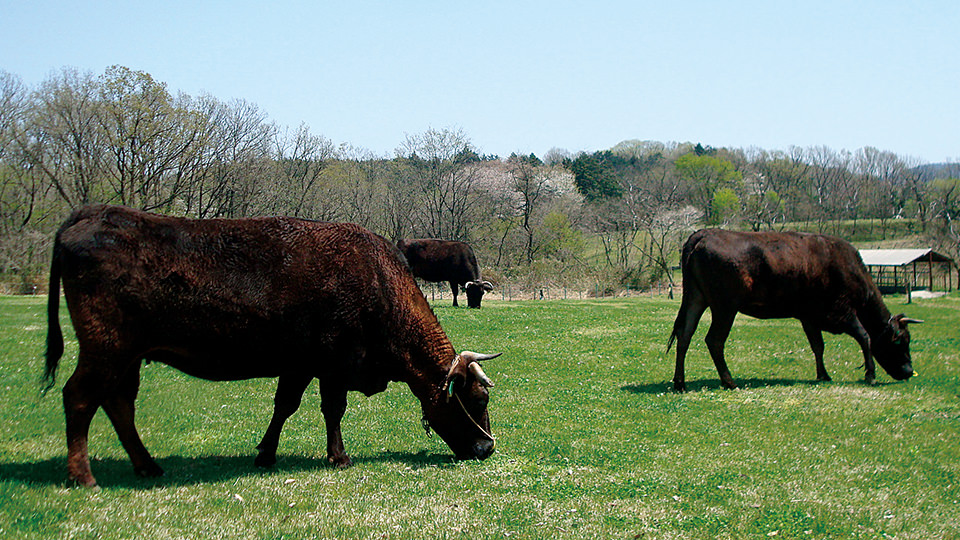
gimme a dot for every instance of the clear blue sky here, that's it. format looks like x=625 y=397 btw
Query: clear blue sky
x=520 y=76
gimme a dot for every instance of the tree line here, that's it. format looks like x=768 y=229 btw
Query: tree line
x=615 y=216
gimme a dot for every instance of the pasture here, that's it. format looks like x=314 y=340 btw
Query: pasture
x=591 y=442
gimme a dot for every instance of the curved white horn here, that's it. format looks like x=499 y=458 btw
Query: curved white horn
x=470 y=356
x=480 y=375
x=908 y=320
x=487 y=286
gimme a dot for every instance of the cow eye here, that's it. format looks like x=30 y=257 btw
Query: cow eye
x=480 y=399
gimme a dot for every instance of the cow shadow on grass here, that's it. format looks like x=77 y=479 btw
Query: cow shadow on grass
x=187 y=471
x=666 y=387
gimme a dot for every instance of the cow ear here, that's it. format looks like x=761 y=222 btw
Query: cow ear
x=449 y=386
x=452 y=387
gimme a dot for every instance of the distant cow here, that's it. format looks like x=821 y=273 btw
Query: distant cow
x=446 y=260
x=237 y=299
x=817 y=279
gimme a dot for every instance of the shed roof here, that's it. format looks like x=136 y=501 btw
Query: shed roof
x=900 y=257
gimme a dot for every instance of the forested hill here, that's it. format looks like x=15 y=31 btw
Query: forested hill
x=580 y=219
x=934 y=171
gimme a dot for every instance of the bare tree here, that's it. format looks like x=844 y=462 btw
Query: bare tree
x=13 y=103
x=762 y=205
x=883 y=172
x=443 y=168
x=233 y=161
x=786 y=173
x=826 y=175
x=18 y=186
x=399 y=200
x=529 y=181
x=146 y=134
x=61 y=138
x=300 y=189
x=667 y=229
x=916 y=187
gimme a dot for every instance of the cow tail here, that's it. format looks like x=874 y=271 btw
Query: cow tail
x=673 y=336
x=54 y=333
x=681 y=315
x=684 y=301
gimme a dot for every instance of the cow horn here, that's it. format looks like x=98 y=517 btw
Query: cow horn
x=480 y=375
x=904 y=320
x=487 y=286
x=469 y=356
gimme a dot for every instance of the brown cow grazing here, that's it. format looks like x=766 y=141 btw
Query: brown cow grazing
x=446 y=260
x=817 y=279
x=236 y=299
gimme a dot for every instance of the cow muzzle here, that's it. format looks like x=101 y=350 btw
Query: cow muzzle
x=907 y=372
x=483 y=449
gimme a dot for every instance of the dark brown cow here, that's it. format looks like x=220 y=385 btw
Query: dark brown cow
x=237 y=299
x=446 y=260
x=817 y=279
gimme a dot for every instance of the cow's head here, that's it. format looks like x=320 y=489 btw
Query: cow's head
x=459 y=414
x=475 y=290
x=892 y=349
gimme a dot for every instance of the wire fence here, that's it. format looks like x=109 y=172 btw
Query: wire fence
x=509 y=292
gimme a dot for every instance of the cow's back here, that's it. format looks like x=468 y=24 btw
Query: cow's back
x=441 y=260
x=775 y=274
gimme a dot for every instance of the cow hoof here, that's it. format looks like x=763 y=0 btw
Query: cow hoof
x=340 y=462
x=149 y=471
x=89 y=482
x=679 y=387
x=265 y=461
x=729 y=385
x=824 y=378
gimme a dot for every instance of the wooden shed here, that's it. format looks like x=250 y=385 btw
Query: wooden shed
x=903 y=270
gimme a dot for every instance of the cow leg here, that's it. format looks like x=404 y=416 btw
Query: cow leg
x=79 y=406
x=83 y=394
x=815 y=337
x=119 y=406
x=455 y=289
x=684 y=327
x=716 y=338
x=859 y=333
x=334 y=405
x=290 y=389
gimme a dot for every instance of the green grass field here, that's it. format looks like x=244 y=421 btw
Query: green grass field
x=591 y=442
